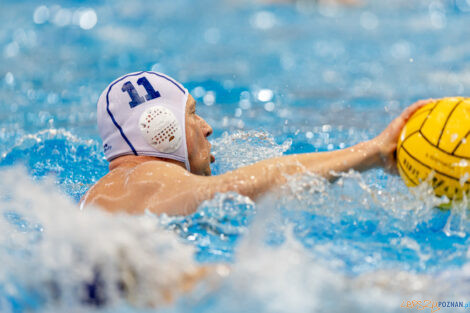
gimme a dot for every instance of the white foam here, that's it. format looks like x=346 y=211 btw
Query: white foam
x=243 y=148
x=59 y=244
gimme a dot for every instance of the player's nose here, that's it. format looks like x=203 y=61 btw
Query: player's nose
x=206 y=128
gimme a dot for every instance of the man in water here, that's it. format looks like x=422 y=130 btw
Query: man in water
x=160 y=157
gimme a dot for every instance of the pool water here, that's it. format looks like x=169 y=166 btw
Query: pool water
x=271 y=79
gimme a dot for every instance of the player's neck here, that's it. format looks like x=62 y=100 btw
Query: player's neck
x=133 y=160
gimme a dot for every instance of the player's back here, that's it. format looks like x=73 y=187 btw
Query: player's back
x=147 y=184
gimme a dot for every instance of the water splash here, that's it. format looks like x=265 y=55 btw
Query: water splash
x=243 y=148
x=55 y=256
x=291 y=278
x=216 y=226
x=75 y=162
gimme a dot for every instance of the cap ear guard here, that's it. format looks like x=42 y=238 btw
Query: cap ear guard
x=161 y=129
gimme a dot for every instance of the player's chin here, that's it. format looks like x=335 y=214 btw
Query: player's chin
x=208 y=167
x=208 y=171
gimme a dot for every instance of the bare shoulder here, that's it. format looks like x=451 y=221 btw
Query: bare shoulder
x=159 y=170
x=160 y=187
x=173 y=190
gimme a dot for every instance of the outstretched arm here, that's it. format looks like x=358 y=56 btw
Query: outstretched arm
x=254 y=180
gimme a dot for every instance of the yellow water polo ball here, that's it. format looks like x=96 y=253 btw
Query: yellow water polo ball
x=434 y=146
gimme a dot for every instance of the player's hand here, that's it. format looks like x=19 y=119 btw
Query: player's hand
x=387 y=141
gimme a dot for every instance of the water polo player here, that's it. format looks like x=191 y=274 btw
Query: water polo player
x=160 y=157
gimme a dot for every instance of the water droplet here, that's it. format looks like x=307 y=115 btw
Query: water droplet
x=11 y=50
x=88 y=19
x=198 y=92
x=263 y=20
x=209 y=98
x=245 y=104
x=269 y=106
x=9 y=79
x=41 y=14
x=265 y=95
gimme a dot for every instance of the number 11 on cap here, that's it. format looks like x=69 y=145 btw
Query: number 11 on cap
x=136 y=99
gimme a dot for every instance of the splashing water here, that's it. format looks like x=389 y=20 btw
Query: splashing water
x=76 y=163
x=289 y=278
x=244 y=148
x=53 y=254
x=216 y=226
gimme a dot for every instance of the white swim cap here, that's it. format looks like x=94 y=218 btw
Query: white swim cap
x=143 y=113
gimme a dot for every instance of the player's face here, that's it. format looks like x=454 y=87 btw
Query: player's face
x=199 y=148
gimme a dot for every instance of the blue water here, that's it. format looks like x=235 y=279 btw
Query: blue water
x=271 y=79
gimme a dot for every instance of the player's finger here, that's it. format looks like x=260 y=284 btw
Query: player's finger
x=414 y=107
